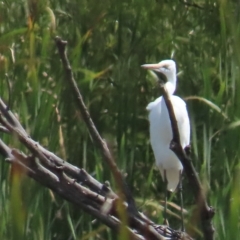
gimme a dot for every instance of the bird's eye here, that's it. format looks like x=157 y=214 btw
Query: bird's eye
x=165 y=68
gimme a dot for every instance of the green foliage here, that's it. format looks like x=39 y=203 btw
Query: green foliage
x=107 y=43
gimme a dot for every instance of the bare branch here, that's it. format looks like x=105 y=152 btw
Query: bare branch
x=66 y=187
x=191 y=4
x=3 y=129
x=206 y=212
x=74 y=184
x=107 y=156
x=10 y=116
x=77 y=186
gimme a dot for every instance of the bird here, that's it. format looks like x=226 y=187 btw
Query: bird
x=160 y=126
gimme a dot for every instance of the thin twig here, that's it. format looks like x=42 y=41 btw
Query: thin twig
x=3 y=129
x=191 y=4
x=9 y=92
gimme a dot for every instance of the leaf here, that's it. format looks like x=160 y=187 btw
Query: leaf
x=209 y=103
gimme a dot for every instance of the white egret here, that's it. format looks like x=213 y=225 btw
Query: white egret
x=160 y=127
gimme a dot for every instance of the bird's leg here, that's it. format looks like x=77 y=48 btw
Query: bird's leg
x=181 y=199
x=165 y=222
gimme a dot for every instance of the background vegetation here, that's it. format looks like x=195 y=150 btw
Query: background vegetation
x=107 y=43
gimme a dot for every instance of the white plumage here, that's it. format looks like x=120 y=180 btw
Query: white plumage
x=160 y=126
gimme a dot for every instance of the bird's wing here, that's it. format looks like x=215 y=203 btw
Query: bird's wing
x=151 y=105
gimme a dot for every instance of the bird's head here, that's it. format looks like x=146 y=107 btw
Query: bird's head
x=166 y=68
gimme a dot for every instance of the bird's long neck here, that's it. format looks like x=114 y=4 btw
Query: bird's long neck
x=170 y=85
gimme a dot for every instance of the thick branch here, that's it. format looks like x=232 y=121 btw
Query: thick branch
x=206 y=212
x=107 y=156
x=76 y=185
x=66 y=188
x=70 y=190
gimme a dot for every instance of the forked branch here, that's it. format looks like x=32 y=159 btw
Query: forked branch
x=75 y=184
